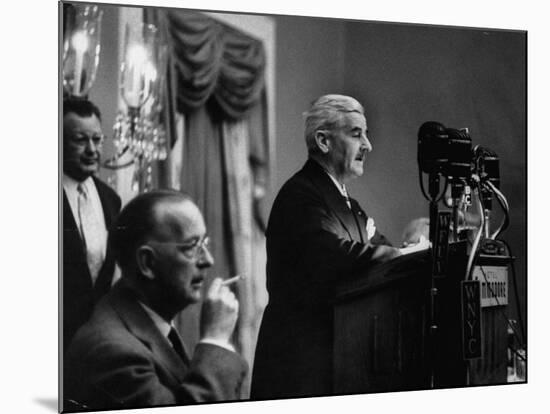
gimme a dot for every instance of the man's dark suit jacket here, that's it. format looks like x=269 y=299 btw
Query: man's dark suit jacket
x=119 y=359
x=313 y=241
x=79 y=295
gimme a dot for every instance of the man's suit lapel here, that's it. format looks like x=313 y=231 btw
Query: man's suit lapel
x=110 y=211
x=333 y=198
x=361 y=219
x=73 y=245
x=69 y=222
x=109 y=208
x=142 y=327
x=70 y=229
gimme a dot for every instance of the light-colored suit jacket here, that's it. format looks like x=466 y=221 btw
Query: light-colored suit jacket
x=119 y=359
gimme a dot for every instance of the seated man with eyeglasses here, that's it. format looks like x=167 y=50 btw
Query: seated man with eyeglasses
x=129 y=355
x=89 y=208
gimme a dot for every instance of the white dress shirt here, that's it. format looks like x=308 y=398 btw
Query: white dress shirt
x=70 y=186
x=341 y=188
x=371 y=229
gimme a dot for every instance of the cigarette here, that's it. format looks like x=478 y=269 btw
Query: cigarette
x=232 y=280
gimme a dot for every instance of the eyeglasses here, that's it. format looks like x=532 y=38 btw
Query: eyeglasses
x=193 y=250
x=82 y=140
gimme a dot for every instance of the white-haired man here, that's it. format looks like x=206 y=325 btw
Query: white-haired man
x=317 y=235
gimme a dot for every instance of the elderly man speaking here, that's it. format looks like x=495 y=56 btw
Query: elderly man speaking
x=317 y=235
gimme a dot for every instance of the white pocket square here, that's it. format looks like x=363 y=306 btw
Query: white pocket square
x=371 y=228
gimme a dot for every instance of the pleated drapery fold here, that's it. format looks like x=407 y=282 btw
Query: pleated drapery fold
x=219 y=150
x=214 y=60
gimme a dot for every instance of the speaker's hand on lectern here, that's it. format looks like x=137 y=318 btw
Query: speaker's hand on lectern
x=384 y=253
x=423 y=244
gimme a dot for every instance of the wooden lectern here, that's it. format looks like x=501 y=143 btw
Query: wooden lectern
x=389 y=337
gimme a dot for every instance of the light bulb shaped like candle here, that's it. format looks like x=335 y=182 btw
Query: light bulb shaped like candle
x=138 y=69
x=81 y=48
x=79 y=42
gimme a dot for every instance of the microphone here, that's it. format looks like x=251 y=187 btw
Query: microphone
x=432 y=147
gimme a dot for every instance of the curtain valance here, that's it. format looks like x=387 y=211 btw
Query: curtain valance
x=212 y=59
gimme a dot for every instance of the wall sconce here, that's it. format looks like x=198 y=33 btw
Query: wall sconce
x=81 y=48
x=137 y=130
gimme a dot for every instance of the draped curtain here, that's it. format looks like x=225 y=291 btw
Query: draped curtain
x=214 y=61
x=215 y=78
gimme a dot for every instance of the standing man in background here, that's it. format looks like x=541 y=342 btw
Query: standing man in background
x=316 y=237
x=89 y=208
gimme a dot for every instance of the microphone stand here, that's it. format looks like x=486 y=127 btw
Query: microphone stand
x=456 y=192
x=433 y=192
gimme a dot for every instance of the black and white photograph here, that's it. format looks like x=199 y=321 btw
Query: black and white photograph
x=289 y=209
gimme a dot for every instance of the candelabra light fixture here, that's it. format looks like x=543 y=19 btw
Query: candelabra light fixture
x=81 y=47
x=139 y=137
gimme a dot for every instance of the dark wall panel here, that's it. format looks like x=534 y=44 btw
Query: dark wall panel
x=309 y=63
x=406 y=75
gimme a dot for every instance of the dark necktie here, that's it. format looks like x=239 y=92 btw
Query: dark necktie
x=357 y=222
x=174 y=338
x=346 y=197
